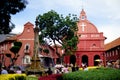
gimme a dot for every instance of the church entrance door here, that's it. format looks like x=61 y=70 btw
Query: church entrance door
x=95 y=58
x=85 y=59
x=72 y=59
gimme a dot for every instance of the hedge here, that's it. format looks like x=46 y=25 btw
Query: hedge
x=13 y=77
x=95 y=74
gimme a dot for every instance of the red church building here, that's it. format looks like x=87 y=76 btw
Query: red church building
x=91 y=43
x=90 y=46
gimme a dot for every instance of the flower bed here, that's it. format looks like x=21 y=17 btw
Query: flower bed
x=51 y=77
x=13 y=77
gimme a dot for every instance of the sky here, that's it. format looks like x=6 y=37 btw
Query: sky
x=104 y=14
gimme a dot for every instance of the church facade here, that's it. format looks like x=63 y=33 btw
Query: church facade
x=27 y=49
x=91 y=43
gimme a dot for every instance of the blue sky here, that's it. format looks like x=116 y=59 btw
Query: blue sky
x=104 y=14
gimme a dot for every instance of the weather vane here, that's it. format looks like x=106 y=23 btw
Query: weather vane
x=82 y=4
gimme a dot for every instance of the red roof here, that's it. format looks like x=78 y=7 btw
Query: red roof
x=112 y=44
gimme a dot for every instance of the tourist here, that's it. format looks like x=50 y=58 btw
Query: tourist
x=77 y=67
x=117 y=64
x=57 y=70
x=11 y=70
x=65 y=69
x=4 y=71
x=73 y=68
x=85 y=68
x=109 y=64
x=49 y=72
x=18 y=71
x=70 y=68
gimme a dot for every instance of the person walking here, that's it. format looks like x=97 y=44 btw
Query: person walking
x=3 y=70
x=49 y=72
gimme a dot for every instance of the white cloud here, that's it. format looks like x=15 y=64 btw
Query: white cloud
x=18 y=29
x=110 y=31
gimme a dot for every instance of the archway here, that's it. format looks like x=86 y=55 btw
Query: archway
x=85 y=59
x=72 y=59
x=95 y=58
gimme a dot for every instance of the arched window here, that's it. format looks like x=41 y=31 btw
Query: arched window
x=93 y=45
x=27 y=59
x=28 y=30
x=27 y=46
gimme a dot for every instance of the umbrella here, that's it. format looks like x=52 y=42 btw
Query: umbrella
x=98 y=60
x=59 y=65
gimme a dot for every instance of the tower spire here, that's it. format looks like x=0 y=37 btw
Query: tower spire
x=83 y=15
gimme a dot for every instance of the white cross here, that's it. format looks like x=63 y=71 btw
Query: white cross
x=83 y=26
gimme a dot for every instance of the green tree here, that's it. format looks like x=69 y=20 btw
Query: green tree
x=59 y=30
x=8 y=8
x=14 y=49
